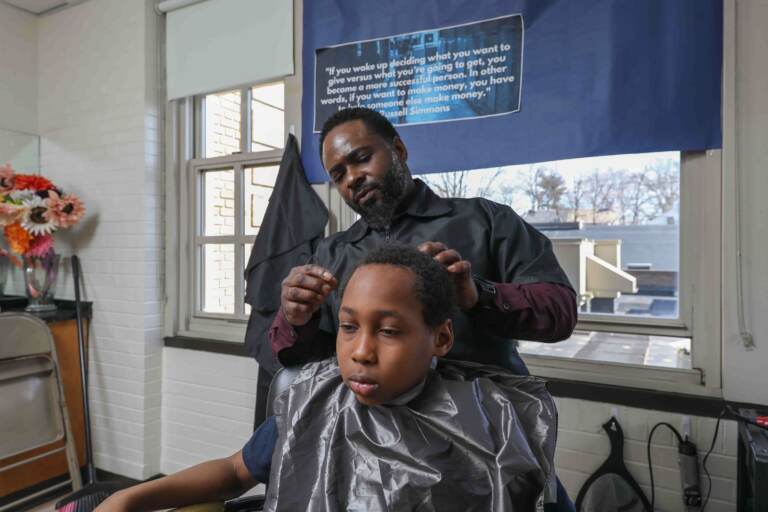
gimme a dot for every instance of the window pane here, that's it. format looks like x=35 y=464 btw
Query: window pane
x=662 y=351
x=222 y=124
x=257 y=187
x=614 y=222
x=246 y=255
x=219 y=202
x=219 y=282
x=268 y=117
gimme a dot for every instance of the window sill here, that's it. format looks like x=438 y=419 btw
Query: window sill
x=689 y=382
x=666 y=401
x=207 y=345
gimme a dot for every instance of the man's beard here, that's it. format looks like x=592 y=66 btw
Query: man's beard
x=393 y=187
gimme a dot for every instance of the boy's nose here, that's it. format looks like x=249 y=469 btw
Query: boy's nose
x=365 y=350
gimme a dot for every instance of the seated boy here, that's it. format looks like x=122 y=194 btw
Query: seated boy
x=381 y=426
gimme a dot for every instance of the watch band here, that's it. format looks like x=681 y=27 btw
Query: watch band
x=486 y=293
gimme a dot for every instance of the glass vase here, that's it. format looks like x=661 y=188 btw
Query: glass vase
x=5 y=268
x=39 y=278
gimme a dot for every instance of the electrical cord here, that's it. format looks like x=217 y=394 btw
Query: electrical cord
x=729 y=413
x=648 y=450
x=704 y=462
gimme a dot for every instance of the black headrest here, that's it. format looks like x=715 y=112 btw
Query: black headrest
x=283 y=378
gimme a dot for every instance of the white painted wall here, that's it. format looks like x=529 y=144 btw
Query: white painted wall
x=208 y=403
x=18 y=64
x=101 y=135
x=746 y=125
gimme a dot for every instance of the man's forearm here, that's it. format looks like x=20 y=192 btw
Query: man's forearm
x=215 y=480
x=537 y=311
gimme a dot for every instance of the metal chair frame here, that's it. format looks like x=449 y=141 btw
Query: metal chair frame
x=27 y=349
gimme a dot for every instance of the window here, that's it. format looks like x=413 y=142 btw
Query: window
x=225 y=238
x=226 y=120
x=620 y=213
x=235 y=152
x=662 y=332
x=623 y=228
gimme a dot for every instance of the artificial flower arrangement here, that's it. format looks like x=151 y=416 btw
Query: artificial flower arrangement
x=31 y=209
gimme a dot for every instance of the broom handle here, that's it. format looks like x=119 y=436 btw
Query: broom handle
x=83 y=371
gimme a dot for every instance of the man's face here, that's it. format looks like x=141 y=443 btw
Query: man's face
x=383 y=346
x=370 y=175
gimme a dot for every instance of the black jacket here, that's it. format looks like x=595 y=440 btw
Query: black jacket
x=293 y=224
x=500 y=245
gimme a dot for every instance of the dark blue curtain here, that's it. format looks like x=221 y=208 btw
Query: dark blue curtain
x=598 y=77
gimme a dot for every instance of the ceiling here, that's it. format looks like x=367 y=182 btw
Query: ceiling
x=40 y=7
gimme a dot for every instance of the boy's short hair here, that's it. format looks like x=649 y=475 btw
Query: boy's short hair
x=373 y=120
x=431 y=282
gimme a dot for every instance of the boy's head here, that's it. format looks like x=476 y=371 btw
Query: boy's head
x=394 y=317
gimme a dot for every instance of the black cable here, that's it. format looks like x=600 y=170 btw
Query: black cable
x=648 y=448
x=704 y=462
x=732 y=414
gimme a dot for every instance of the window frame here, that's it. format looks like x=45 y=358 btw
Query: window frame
x=185 y=130
x=238 y=163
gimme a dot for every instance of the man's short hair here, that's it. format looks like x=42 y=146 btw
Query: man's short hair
x=432 y=284
x=373 y=120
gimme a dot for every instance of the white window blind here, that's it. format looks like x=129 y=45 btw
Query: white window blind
x=222 y=44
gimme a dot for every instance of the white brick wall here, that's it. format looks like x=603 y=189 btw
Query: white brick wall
x=208 y=404
x=101 y=138
x=18 y=64
x=583 y=446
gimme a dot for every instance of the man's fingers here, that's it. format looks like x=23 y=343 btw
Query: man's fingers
x=320 y=272
x=310 y=281
x=447 y=257
x=460 y=267
x=432 y=248
x=295 y=294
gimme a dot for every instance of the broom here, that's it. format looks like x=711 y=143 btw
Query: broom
x=94 y=492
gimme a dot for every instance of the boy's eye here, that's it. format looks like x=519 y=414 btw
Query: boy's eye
x=389 y=332
x=348 y=328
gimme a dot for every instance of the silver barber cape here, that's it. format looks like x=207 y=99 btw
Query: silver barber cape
x=476 y=438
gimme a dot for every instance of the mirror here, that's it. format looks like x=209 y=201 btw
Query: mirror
x=21 y=150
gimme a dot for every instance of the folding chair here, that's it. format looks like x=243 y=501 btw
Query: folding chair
x=32 y=410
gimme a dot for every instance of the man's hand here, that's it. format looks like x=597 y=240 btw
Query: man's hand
x=304 y=291
x=459 y=269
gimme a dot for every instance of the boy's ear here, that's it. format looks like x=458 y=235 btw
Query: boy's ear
x=444 y=338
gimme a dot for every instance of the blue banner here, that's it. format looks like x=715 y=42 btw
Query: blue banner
x=475 y=84
x=461 y=72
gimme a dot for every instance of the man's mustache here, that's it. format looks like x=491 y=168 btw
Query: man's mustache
x=364 y=189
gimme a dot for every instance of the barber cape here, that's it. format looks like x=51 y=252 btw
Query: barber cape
x=476 y=438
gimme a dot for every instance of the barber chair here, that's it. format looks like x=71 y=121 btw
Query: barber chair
x=283 y=378
x=33 y=413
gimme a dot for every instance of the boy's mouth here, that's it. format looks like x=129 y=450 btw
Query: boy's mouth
x=362 y=385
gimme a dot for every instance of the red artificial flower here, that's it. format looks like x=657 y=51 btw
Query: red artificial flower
x=31 y=182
